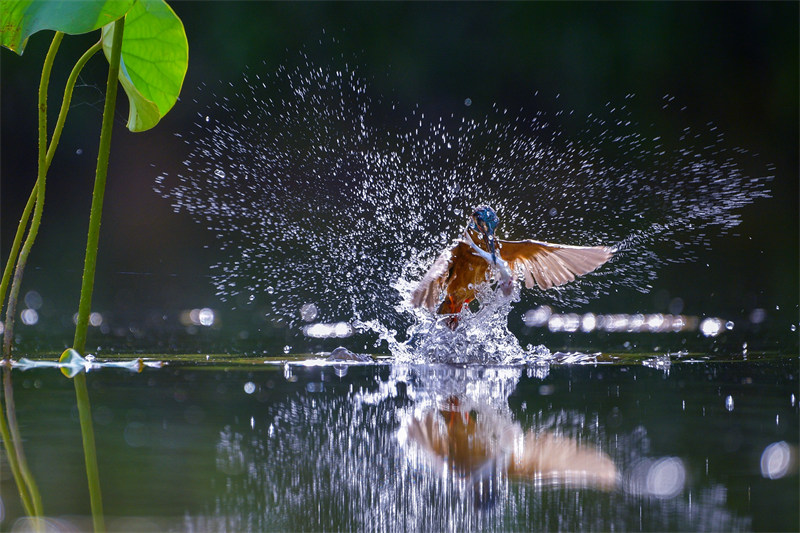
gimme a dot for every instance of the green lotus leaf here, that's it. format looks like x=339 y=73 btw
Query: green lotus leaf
x=19 y=19
x=155 y=56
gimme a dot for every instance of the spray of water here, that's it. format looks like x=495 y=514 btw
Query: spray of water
x=320 y=192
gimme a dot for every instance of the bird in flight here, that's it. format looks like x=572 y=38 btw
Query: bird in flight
x=479 y=256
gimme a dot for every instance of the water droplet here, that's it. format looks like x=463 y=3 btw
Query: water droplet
x=361 y=170
x=729 y=403
x=308 y=312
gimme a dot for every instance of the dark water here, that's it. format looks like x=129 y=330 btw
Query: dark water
x=268 y=446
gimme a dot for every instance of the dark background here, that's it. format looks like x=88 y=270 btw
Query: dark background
x=733 y=64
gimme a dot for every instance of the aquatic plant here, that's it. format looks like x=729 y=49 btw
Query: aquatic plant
x=149 y=57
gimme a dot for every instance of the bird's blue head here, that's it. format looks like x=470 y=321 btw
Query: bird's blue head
x=485 y=221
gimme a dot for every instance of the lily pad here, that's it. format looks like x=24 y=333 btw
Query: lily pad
x=155 y=57
x=19 y=19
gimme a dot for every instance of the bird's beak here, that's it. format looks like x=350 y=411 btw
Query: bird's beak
x=487 y=235
x=490 y=239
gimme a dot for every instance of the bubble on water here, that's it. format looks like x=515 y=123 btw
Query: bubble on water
x=317 y=186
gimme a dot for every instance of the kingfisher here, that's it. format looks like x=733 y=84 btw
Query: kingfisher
x=479 y=257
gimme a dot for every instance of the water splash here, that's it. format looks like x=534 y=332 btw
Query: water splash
x=321 y=192
x=479 y=337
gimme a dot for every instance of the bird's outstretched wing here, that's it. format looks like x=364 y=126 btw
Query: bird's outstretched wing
x=561 y=461
x=454 y=270
x=550 y=265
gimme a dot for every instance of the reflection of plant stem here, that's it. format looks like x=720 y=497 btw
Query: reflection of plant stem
x=40 y=182
x=87 y=285
x=89 y=451
x=11 y=454
x=16 y=439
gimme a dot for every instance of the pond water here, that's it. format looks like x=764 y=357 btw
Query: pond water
x=297 y=202
x=311 y=445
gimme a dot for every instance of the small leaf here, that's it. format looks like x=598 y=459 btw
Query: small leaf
x=19 y=19
x=155 y=56
x=72 y=362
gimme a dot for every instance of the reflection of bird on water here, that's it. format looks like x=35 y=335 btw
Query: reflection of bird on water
x=460 y=270
x=479 y=445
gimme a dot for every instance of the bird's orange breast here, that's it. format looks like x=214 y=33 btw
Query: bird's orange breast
x=467 y=271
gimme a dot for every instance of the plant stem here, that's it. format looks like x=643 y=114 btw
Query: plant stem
x=34 y=500
x=68 y=88
x=11 y=308
x=12 y=256
x=87 y=285
x=98 y=193
x=26 y=213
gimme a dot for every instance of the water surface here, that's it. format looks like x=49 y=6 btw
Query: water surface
x=274 y=446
